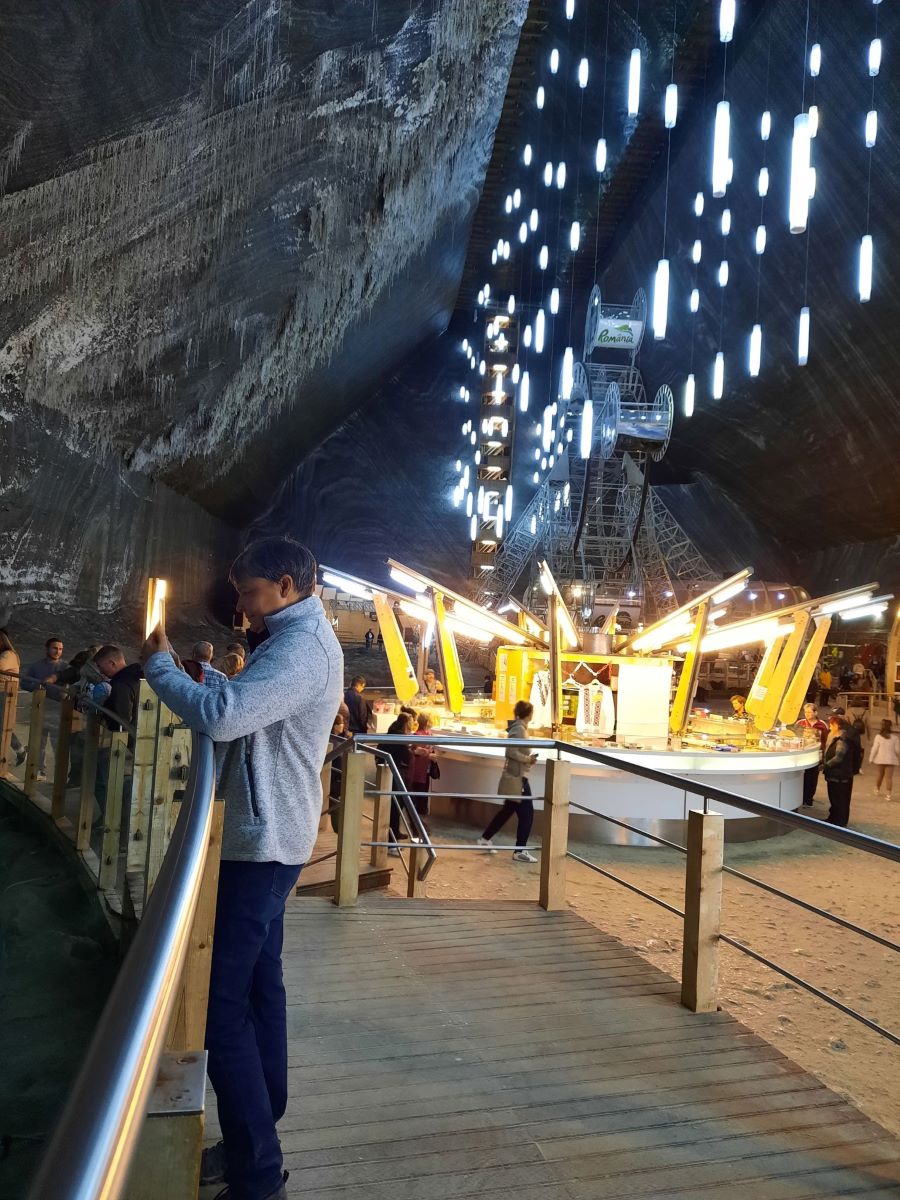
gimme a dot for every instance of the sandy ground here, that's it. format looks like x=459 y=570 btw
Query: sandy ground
x=847 y=1056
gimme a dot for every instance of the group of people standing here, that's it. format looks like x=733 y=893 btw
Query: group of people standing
x=842 y=758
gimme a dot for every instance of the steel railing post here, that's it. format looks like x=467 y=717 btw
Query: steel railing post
x=702 y=910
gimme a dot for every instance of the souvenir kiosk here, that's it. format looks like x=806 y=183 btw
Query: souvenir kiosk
x=632 y=698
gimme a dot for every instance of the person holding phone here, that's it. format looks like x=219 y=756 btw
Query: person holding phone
x=515 y=786
x=275 y=719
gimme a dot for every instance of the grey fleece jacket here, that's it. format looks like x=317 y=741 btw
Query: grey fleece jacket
x=276 y=716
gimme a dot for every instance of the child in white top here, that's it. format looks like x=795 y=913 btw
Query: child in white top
x=885 y=755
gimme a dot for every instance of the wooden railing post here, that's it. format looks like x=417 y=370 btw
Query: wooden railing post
x=112 y=811
x=413 y=885
x=381 y=815
x=353 y=781
x=88 y=782
x=702 y=910
x=142 y=778
x=325 y=778
x=187 y=1031
x=557 y=778
x=35 y=738
x=9 y=695
x=61 y=769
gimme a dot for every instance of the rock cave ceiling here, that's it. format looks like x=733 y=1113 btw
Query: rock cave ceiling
x=240 y=242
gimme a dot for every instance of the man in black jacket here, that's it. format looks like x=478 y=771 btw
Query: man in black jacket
x=359 y=708
x=123 y=697
x=838 y=771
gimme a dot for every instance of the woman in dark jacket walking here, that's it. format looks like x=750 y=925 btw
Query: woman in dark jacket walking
x=838 y=771
x=515 y=788
x=401 y=755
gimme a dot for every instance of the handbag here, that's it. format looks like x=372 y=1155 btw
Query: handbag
x=434 y=771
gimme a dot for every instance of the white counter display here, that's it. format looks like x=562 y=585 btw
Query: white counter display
x=773 y=778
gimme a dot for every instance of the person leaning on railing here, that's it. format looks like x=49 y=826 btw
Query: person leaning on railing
x=276 y=717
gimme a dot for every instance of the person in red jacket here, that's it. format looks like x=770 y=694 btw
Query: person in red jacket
x=812 y=720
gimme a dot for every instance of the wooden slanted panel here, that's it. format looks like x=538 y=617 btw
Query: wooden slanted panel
x=187 y=1030
x=35 y=740
x=9 y=696
x=92 y=734
x=142 y=777
x=61 y=768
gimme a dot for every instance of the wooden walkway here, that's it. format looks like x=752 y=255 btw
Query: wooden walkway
x=453 y=1049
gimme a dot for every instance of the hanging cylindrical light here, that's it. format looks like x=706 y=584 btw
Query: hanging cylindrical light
x=661 y=300
x=561 y=176
x=690 y=388
x=508 y=504
x=874 y=57
x=727 y=14
x=866 y=257
x=698 y=205
x=696 y=251
x=511 y=305
x=695 y=299
x=587 y=429
x=543 y=258
x=524 y=390
x=469 y=504
x=583 y=73
x=721 y=168
x=570 y=9
x=533 y=220
x=539 y=330
x=765 y=125
x=871 y=128
x=726 y=222
x=670 y=106
x=755 y=355
x=763 y=184
x=815 y=59
x=813 y=120
x=803 y=337
x=554 y=301
x=548 y=174
x=718 y=376
x=723 y=273
x=526 y=337
x=567 y=377
x=798 y=208
x=634 y=82
x=541 y=96
x=575 y=236
x=547 y=429
x=517 y=197
x=526 y=155
x=554 y=60
x=600 y=156
x=760 y=239
x=523 y=232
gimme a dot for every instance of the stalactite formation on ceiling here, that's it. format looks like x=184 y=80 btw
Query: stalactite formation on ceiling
x=171 y=288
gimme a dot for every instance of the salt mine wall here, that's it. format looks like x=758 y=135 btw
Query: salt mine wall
x=221 y=226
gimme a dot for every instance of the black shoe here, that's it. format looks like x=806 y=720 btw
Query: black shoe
x=807 y=804
x=212 y=1165
x=280 y=1192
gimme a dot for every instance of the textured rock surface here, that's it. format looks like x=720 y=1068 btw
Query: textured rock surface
x=225 y=221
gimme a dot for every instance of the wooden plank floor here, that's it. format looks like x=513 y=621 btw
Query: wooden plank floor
x=450 y=1049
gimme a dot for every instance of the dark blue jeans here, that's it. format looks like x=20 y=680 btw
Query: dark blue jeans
x=246 y=1024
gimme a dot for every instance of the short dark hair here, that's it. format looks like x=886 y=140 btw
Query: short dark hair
x=273 y=557
x=523 y=710
x=841 y=722
x=50 y=640
x=358 y=679
x=106 y=651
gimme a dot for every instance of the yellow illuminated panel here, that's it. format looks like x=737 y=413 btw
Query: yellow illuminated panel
x=792 y=704
x=156 y=605
x=760 y=686
x=766 y=712
x=453 y=680
x=402 y=673
x=687 y=683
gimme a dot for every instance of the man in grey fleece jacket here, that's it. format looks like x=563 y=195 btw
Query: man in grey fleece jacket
x=275 y=718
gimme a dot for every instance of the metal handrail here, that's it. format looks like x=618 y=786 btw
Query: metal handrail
x=92 y=1146
x=60 y=692
x=706 y=792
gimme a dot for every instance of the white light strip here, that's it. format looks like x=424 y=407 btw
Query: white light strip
x=600 y=156
x=587 y=429
x=661 y=300
x=634 y=82
x=755 y=355
x=670 y=106
x=727 y=16
x=803 y=337
x=718 y=376
x=866 y=255
x=721 y=170
x=690 y=388
x=798 y=209
x=346 y=585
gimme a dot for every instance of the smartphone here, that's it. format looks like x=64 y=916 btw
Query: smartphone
x=156 y=605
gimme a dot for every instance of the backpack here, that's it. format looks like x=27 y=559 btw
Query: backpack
x=859 y=725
